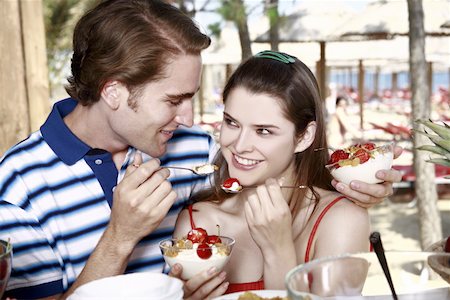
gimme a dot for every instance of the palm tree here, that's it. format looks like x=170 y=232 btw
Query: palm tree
x=430 y=221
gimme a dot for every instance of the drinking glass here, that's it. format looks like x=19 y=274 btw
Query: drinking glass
x=5 y=264
x=415 y=275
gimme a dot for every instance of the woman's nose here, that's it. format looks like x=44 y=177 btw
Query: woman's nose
x=243 y=142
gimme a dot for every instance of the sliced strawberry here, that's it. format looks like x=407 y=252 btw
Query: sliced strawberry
x=197 y=235
x=337 y=156
x=369 y=146
x=363 y=155
x=204 y=251
x=229 y=182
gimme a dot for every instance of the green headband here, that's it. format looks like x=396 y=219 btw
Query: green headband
x=278 y=56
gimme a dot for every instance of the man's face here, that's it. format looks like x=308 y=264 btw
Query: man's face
x=159 y=107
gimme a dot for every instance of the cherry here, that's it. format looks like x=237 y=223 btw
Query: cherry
x=204 y=251
x=197 y=235
x=363 y=155
x=229 y=182
x=213 y=239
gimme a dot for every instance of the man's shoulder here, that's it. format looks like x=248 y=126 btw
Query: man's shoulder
x=33 y=143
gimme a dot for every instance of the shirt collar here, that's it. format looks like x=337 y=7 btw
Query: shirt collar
x=58 y=136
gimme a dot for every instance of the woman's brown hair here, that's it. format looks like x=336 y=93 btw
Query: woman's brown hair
x=295 y=87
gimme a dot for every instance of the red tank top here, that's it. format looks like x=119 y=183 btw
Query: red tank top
x=259 y=285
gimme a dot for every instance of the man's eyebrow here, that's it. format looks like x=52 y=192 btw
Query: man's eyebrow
x=181 y=96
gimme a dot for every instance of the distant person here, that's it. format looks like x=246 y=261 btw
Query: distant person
x=341 y=131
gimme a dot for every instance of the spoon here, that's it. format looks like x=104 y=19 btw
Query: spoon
x=201 y=170
x=375 y=240
x=233 y=186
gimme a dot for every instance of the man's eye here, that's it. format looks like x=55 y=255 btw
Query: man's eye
x=175 y=103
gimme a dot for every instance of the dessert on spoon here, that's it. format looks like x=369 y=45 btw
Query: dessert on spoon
x=201 y=170
x=233 y=186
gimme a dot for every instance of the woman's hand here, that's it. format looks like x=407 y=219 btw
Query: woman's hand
x=367 y=195
x=268 y=216
x=205 y=285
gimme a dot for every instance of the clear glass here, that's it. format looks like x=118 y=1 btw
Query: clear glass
x=5 y=264
x=415 y=275
x=190 y=261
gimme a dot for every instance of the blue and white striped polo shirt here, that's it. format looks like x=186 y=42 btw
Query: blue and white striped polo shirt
x=55 y=195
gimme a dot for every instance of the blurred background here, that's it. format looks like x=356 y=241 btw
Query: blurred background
x=360 y=51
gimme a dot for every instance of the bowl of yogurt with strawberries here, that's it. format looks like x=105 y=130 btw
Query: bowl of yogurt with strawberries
x=360 y=162
x=197 y=252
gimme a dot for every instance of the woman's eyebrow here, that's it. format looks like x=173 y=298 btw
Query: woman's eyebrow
x=257 y=125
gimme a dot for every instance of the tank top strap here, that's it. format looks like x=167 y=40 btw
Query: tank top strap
x=191 y=218
x=316 y=225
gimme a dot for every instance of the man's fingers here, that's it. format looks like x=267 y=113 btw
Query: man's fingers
x=391 y=175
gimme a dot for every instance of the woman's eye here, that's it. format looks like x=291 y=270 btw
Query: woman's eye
x=230 y=122
x=263 y=131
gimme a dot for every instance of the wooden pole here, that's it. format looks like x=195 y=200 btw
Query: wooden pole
x=322 y=71
x=36 y=70
x=14 y=122
x=361 y=93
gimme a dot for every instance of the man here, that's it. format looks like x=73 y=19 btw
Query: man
x=86 y=197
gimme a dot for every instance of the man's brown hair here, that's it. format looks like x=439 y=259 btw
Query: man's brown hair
x=130 y=41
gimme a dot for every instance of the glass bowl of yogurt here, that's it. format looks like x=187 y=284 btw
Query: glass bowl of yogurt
x=196 y=257
x=360 y=162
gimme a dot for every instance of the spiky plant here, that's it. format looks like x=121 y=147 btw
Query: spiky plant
x=440 y=136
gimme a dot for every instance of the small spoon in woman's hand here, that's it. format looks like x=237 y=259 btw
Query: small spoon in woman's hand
x=233 y=186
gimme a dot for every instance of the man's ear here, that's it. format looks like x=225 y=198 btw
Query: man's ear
x=307 y=138
x=111 y=94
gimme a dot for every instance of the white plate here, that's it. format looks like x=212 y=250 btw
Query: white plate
x=261 y=293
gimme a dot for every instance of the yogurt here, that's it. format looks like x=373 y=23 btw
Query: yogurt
x=381 y=159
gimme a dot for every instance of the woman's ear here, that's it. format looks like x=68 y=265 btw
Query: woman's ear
x=307 y=138
x=111 y=94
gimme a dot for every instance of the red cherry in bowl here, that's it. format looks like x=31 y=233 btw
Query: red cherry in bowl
x=213 y=239
x=197 y=235
x=204 y=251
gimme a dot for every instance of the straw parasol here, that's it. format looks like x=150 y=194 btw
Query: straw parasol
x=312 y=22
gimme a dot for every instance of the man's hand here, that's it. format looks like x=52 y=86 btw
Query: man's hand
x=205 y=285
x=141 y=201
x=367 y=195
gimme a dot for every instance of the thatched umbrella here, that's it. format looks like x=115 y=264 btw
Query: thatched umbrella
x=312 y=22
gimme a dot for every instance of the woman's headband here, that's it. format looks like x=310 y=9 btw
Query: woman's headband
x=278 y=56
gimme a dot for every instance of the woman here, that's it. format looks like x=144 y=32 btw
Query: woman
x=271 y=136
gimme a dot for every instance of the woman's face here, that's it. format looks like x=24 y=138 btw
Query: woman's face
x=256 y=140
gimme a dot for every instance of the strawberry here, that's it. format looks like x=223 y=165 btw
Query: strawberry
x=363 y=155
x=369 y=146
x=447 y=245
x=197 y=235
x=204 y=251
x=229 y=182
x=337 y=156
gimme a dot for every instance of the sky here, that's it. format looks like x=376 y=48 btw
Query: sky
x=256 y=12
